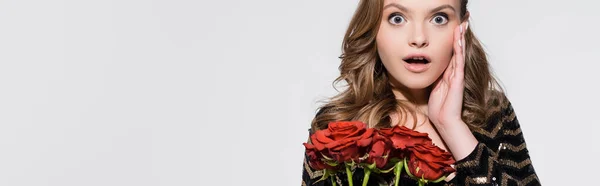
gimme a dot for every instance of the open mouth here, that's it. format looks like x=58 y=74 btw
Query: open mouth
x=417 y=63
x=416 y=60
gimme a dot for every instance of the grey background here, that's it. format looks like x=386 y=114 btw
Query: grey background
x=186 y=92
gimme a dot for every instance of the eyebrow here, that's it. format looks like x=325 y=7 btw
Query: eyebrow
x=398 y=6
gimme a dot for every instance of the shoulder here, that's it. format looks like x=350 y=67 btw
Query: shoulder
x=500 y=116
x=497 y=102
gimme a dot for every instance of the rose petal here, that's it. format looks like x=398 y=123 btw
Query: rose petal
x=364 y=142
x=432 y=161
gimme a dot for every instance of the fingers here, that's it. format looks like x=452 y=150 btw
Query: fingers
x=466 y=27
x=460 y=66
x=456 y=83
x=459 y=58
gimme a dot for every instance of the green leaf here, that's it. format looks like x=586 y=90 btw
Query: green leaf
x=331 y=163
x=387 y=170
x=326 y=174
x=395 y=160
x=322 y=178
x=351 y=164
x=326 y=157
x=439 y=179
x=408 y=170
x=371 y=167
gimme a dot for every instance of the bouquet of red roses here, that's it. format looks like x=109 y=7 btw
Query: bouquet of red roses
x=347 y=144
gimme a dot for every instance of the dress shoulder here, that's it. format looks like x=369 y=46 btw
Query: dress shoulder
x=501 y=157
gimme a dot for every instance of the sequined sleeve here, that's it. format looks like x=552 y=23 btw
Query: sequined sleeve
x=501 y=157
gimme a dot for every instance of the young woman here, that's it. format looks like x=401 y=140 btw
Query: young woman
x=417 y=64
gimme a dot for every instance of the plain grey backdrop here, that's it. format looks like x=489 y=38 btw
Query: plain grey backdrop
x=183 y=92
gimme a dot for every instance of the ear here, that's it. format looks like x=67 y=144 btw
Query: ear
x=466 y=17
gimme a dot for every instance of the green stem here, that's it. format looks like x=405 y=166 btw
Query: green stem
x=349 y=173
x=421 y=183
x=439 y=179
x=333 y=181
x=367 y=174
x=397 y=171
x=407 y=169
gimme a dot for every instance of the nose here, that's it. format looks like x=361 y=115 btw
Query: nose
x=418 y=37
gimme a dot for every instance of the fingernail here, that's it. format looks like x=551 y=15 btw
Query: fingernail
x=467 y=27
x=459 y=43
x=460 y=28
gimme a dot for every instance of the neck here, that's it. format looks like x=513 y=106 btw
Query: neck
x=418 y=97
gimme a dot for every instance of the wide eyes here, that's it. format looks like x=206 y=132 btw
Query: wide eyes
x=396 y=19
x=438 y=19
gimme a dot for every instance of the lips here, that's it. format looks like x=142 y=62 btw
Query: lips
x=417 y=63
x=417 y=59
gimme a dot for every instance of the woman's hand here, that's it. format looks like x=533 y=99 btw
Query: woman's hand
x=446 y=98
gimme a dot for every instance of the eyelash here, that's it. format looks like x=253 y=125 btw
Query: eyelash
x=443 y=15
x=446 y=17
x=394 y=15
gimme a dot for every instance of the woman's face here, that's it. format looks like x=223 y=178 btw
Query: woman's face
x=415 y=39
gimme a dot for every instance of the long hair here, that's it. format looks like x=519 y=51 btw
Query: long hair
x=368 y=95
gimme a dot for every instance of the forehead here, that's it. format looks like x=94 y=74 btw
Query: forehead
x=423 y=4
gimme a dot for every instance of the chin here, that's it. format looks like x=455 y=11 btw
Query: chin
x=416 y=84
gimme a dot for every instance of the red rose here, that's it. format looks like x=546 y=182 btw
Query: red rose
x=315 y=159
x=380 y=149
x=343 y=141
x=432 y=162
x=403 y=137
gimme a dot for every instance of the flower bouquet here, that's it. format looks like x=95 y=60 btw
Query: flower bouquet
x=347 y=144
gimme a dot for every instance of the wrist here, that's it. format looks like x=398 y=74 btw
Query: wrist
x=459 y=138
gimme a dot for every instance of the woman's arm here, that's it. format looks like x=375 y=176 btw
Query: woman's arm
x=500 y=157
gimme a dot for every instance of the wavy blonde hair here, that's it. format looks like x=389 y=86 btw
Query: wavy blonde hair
x=368 y=95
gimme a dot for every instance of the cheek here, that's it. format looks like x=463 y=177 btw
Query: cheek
x=386 y=46
x=448 y=42
x=446 y=47
x=390 y=44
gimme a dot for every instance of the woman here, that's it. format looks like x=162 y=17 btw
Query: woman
x=417 y=64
